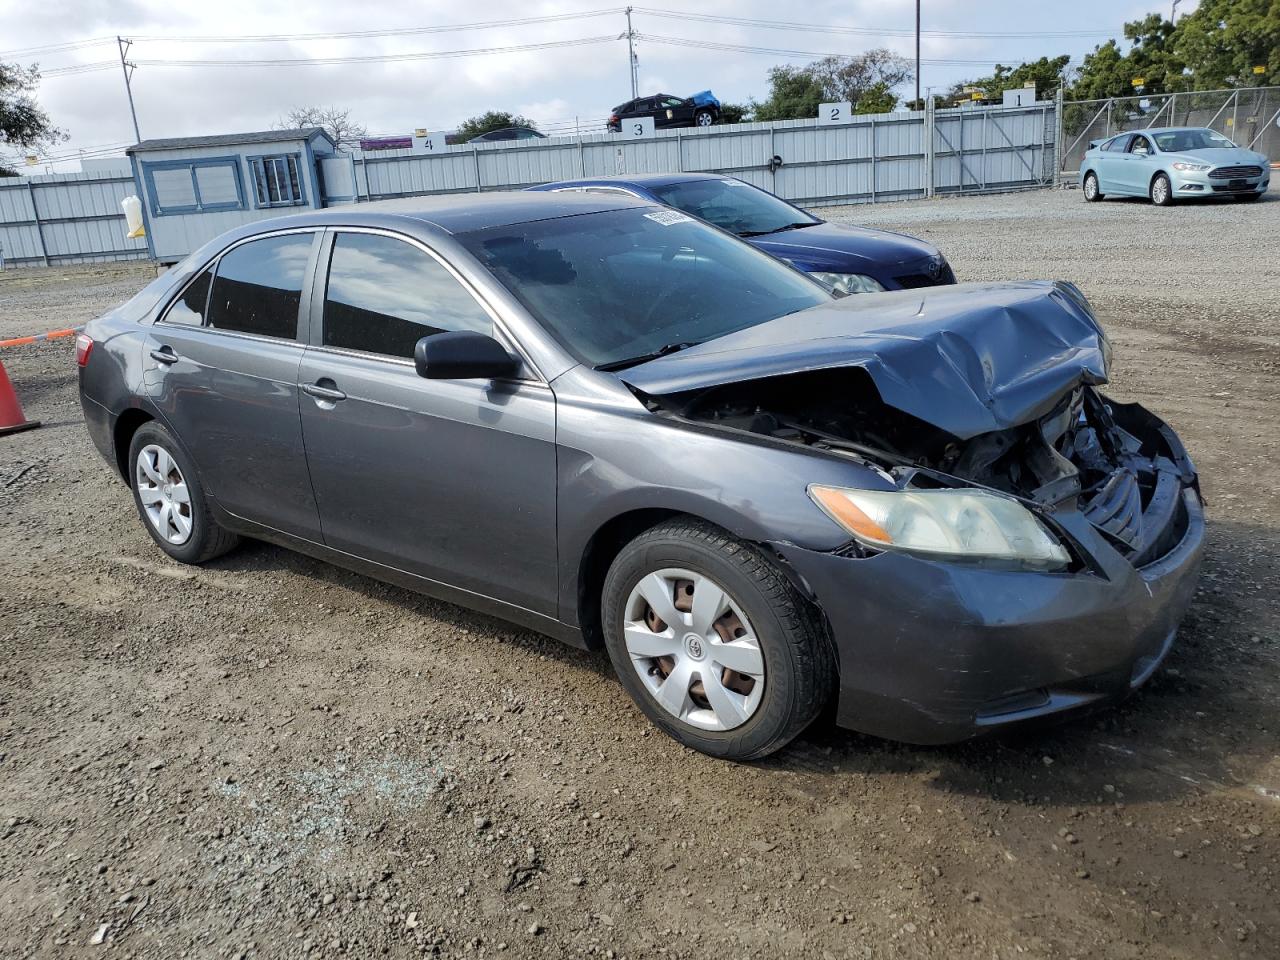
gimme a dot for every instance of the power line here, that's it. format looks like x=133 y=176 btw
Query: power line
x=871 y=31
x=78 y=68
x=55 y=48
x=381 y=57
x=806 y=54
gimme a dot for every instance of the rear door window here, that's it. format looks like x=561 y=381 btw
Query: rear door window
x=1116 y=144
x=189 y=309
x=385 y=294
x=258 y=286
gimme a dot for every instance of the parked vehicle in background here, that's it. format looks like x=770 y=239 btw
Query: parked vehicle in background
x=847 y=258
x=509 y=133
x=1168 y=164
x=614 y=423
x=700 y=110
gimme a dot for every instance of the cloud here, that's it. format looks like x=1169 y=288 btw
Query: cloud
x=548 y=85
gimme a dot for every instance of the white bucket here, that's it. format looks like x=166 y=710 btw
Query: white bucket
x=133 y=217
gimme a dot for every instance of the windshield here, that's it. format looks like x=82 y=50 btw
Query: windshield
x=1178 y=141
x=623 y=284
x=733 y=205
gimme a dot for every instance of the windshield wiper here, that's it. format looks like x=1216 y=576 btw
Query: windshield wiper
x=662 y=351
x=785 y=226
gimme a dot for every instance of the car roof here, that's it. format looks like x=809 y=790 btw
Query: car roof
x=462 y=213
x=639 y=179
x=1151 y=130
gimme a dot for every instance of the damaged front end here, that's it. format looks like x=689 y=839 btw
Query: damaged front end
x=990 y=387
x=1117 y=463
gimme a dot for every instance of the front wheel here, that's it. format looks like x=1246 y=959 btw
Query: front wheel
x=713 y=642
x=1161 y=191
x=703 y=118
x=1091 y=191
x=170 y=498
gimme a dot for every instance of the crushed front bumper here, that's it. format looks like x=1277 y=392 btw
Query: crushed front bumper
x=933 y=651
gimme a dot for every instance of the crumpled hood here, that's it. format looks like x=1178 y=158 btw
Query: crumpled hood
x=840 y=248
x=969 y=359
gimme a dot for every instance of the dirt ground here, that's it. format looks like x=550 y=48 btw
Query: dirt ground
x=270 y=757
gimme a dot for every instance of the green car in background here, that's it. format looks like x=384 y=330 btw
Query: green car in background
x=1173 y=163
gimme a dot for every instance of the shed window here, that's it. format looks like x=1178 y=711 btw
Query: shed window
x=194 y=186
x=276 y=181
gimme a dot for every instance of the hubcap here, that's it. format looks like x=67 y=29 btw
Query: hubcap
x=1090 y=187
x=704 y=119
x=163 y=492
x=1161 y=190
x=694 y=649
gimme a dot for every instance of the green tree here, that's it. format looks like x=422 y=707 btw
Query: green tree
x=1223 y=40
x=1047 y=73
x=492 y=120
x=794 y=93
x=23 y=124
x=877 y=98
x=735 y=112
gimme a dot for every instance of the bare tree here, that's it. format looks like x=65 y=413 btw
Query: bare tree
x=337 y=123
x=850 y=78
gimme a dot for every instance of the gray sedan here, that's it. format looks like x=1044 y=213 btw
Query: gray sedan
x=613 y=423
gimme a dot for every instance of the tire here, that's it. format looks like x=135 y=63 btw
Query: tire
x=1091 y=192
x=205 y=539
x=1161 y=191
x=796 y=668
x=703 y=118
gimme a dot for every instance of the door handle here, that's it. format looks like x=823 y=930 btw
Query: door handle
x=323 y=393
x=164 y=355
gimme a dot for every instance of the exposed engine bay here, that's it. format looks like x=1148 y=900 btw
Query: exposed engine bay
x=1122 y=465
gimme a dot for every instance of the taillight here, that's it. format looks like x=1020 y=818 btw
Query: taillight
x=84 y=347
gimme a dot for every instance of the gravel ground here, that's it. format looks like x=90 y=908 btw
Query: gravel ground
x=272 y=757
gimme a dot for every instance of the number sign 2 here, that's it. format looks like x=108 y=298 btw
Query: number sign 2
x=835 y=112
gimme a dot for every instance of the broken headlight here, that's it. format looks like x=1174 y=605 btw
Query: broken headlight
x=971 y=524
x=848 y=283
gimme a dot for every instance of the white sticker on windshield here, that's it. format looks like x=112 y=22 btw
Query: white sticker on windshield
x=668 y=217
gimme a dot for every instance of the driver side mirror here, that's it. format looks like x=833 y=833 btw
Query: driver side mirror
x=463 y=355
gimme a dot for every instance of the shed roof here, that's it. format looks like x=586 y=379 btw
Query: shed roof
x=229 y=139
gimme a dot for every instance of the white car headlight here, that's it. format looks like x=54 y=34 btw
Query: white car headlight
x=1191 y=167
x=943 y=523
x=849 y=282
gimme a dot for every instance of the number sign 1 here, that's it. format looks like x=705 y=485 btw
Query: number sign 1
x=835 y=112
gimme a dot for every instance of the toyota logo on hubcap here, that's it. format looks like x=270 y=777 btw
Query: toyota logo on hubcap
x=693 y=645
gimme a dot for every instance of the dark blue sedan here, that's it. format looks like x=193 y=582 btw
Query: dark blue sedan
x=849 y=259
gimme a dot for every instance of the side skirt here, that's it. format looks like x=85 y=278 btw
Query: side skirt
x=403 y=578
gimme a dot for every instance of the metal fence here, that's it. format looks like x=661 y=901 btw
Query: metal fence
x=65 y=218
x=1249 y=116
x=894 y=156
x=871 y=158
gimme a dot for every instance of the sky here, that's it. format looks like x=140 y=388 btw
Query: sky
x=558 y=87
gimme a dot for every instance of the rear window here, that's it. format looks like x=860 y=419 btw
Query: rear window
x=258 y=286
x=189 y=308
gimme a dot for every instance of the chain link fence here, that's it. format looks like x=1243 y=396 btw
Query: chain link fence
x=1249 y=116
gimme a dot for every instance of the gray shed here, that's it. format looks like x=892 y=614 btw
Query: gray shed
x=194 y=188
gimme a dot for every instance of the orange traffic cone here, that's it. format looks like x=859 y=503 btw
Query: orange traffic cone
x=11 y=418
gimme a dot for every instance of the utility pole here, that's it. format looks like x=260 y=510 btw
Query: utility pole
x=1173 y=14
x=631 y=57
x=127 y=69
x=918 y=54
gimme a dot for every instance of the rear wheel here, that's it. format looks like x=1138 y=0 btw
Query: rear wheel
x=1091 y=191
x=713 y=643
x=1161 y=191
x=171 y=500
x=703 y=118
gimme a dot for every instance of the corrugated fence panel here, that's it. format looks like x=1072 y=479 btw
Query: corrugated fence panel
x=880 y=157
